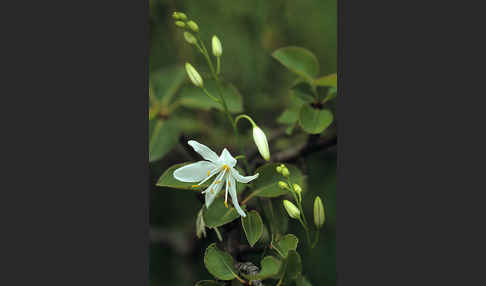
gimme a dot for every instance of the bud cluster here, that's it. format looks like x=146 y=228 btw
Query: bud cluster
x=282 y=169
x=181 y=21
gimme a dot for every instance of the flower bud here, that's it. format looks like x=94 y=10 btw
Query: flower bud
x=291 y=209
x=319 y=216
x=190 y=38
x=283 y=185
x=200 y=225
x=193 y=26
x=182 y=16
x=175 y=15
x=261 y=142
x=180 y=24
x=217 y=48
x=279 y=169
x=297 y=189
x=285 y=172
x=194 y=75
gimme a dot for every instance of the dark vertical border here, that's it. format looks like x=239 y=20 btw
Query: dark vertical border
x=79 y=167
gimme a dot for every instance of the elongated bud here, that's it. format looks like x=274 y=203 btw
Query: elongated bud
x=182 y=16
x=190 y=38
x=200 y=225
x=291 y=209
x=319 y=216
x=217 y=48
x=180 y=24
x=285 y=172
x=193 y=26
x=261 y=142
x=283 y=185
x=194 y=75
x=179 y=16
x=297 y=189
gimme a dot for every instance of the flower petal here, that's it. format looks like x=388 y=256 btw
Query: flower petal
x=204 y=151
x=227 y=159
x=242 y=179
x=213 y=190
x=234 y=197
x=194 y=172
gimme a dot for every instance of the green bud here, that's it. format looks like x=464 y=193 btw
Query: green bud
x=180 y=24
x=176 y=16
x=283 y=185
x=297 y=188
x=182 y=16
x=217 y=48
x=319 y=216
x=279 y=169
x=194 y=76
x=190 y=38
x=193 y=26
x=285 y=172
x=291 y=209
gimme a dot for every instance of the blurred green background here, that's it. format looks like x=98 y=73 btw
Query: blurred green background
x=250 y=31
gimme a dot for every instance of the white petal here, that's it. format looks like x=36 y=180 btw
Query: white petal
x=204 y=151
x=234 y=197
x=215 y=187
x=227 y=159
x=194 y=172
x=242 y=179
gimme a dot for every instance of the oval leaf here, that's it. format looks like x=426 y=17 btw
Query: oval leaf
x=285 y=244
x=164 y=136
x=217 y=214
x=270 y=267
x=314 y=121
x=219 y=263
x=293 y=268
x=166 y=81
x=253 y=227
x=298 y=60
x=267 y=183
x=328 y=80
x=194 y=97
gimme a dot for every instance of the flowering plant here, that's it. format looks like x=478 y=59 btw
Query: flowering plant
x=265 y=191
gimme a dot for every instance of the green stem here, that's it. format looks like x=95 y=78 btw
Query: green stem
x=218 y=65
x=220 y=238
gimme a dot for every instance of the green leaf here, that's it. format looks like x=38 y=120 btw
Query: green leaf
x=328 y=80
x=276 y=216
x=293 y=267
x=302 y=281
x=267 y=183
x=164 y=135
x=270 y=267
x=166 y=81
x=253 y=227
x=194 y=97
x=298 y=60
x=167 y=180
x=208 y=283
x=289 y=116
x=303 y=91
x=313 y=120
x=217 y=214
x=285 y=244
x=219 y=263
x=290 y=129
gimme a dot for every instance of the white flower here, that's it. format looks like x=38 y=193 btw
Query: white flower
x=222 y=167
x=261 y=142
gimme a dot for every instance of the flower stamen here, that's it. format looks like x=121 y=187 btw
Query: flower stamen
x=195 y=186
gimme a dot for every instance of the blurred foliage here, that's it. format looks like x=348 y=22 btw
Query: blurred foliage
x=250 y=31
